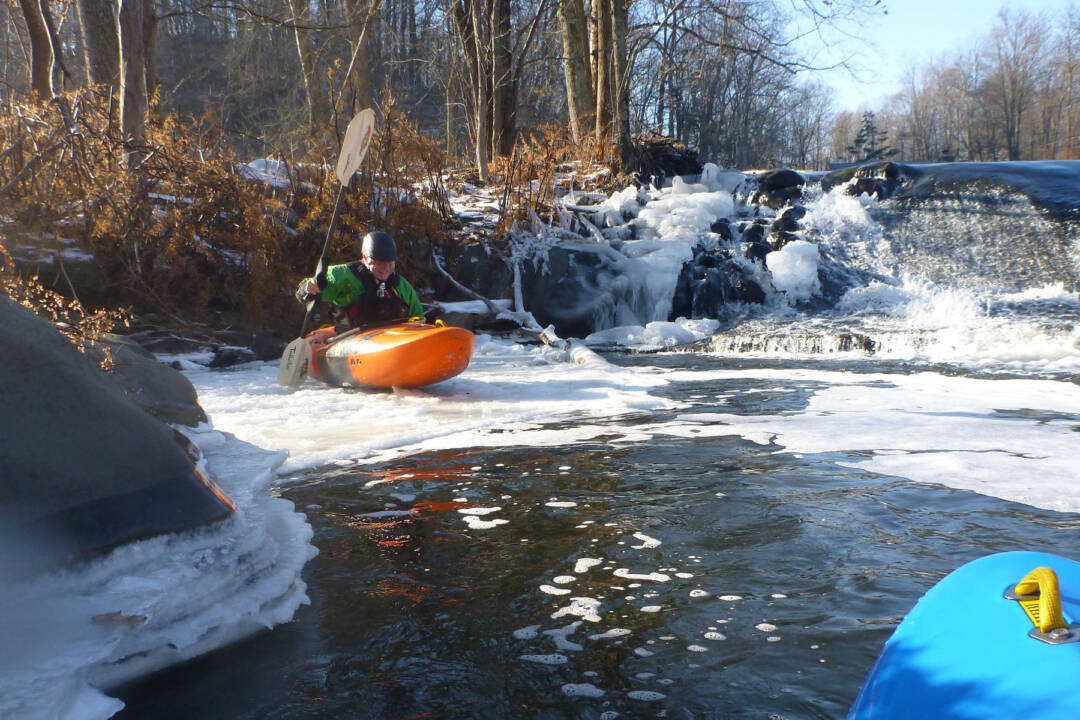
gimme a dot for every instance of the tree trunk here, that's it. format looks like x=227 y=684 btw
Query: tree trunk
x=101 y=47
x=41 y=50
x=150 y=30
x=133 y=77
x=621 y=100
x=305 y=48
x=57 y=45
x=579 y=91
x=502 y=110
x=603 y=74
x=594 y=41
x=360 y=21
x=483 y=95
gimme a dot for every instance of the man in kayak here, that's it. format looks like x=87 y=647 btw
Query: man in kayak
x=365 y=292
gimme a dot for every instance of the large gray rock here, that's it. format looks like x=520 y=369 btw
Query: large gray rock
x=581 y=289
x=155 y=387
x=82 y=468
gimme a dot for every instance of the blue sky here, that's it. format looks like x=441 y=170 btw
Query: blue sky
x=912 y=33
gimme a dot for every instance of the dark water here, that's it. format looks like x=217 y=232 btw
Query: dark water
x=414 y=617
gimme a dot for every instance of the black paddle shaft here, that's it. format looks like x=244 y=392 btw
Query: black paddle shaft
x=320 y=269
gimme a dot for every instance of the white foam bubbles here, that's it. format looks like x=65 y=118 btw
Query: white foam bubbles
x=561 y=636
x=476 y=523
x=583 y=607
x=479 y=510
x=526 y=633
x=550 y=659
x=645 y=695
x=582 y=690
x=582 y=565
x=627 y=575
x=612 y=633
x=647 y=543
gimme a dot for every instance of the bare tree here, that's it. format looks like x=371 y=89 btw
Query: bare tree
x=1015 y=53
x=578 y=78
x=305 y=50
x=41 y=49
x=133 y=99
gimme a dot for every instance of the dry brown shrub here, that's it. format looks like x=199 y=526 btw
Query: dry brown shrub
x=69 y=316
x=185 y=235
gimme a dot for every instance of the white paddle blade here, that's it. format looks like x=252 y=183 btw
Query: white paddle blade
x=355 y=145
x=294 y=363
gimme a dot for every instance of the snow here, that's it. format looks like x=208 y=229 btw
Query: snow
x=795 y=270
x=656 y=335
x=272 y=172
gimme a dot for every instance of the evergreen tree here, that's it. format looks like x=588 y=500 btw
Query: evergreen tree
x=870 y=143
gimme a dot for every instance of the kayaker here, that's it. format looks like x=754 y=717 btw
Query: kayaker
x=367 y=291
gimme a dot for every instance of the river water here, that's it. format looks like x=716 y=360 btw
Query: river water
x=658 y=566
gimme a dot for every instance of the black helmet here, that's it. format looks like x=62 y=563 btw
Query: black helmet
x=379 y=246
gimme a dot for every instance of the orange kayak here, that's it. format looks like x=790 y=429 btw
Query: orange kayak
x=408 y=354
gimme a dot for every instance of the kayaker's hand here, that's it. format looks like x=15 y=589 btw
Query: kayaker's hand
x=308 y=290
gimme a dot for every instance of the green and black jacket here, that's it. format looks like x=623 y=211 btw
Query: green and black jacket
x=359 y=299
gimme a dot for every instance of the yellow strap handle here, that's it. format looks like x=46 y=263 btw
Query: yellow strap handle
x=1044 y=609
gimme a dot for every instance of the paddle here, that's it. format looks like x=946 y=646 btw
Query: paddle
x=297 y=355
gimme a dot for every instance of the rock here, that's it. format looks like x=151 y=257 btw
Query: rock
x=709 y=282
x=776 y=199
x=780 y=238
x=722 y=227
x=881 y=179
x=661 y=157
x=229 y=355
x=82 y=468
x=867 y=186
x=155 y=387
x=579 y=289
x=777 y=188
x=476 y=268
x=779 y=180
x=789 y=219
x=756 y=251
x=752 y=232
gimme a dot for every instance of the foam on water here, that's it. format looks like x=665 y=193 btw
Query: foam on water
x=582 y=565
x=551 y=659
x=646 y=542
x=561 y=636
x=582 y=690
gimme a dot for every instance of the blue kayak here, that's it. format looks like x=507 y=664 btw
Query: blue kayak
x=967 y=651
